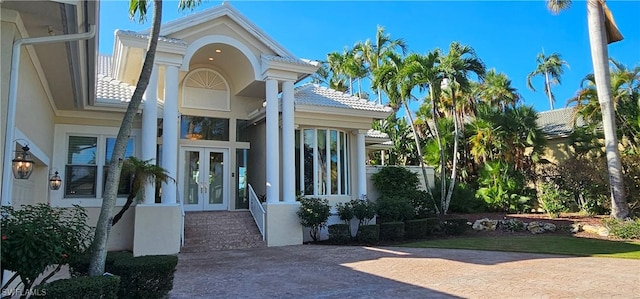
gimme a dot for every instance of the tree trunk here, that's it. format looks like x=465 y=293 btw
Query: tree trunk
x=548 y=86
x=350 y=85
x=452 y=181
x=126 y=206
x=359 y=87
x=443 y=180
x=600 y=56
x=420 y=158
x=103 y=227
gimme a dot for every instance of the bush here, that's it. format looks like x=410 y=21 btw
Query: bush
x=624 y=229
x=393 y=179
x=363 y=210
x=140 y=277
x=419 y=228
x=503 y=188
x=35 y=237
x=552 y=200
x=339 y=233
x=86 y=287
x=392 y=231
x=463 y=200
x=455 y=227
x=368 y=234
x=421 y=203
x=345 y=212
x=394 y=208
x=314 y=213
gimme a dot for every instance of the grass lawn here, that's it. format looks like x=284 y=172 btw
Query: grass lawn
x=540 y=244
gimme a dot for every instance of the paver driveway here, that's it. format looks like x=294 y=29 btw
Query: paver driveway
x=317 y=271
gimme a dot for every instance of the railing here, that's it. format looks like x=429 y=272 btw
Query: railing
x=182 y=221
x=257 y=211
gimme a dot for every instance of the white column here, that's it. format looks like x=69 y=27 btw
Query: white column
x=273 y=144
x=288 y=143
x=150 y=130
x=361 y=162
x=170 y=133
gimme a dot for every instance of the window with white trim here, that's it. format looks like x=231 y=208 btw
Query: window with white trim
x=87 y=162
x=322 y=162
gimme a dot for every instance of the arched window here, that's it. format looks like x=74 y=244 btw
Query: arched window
x=206 y=89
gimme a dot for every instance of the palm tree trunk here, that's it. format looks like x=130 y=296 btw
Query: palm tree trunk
x=126 y=207
x=548 y=85
x=452 y=181
x=103 y=226
x=600 y=55
x=360 y=87
x=420 y=157
x=443 y=181
x=350 y=85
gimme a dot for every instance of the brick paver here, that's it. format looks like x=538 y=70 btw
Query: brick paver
x=316 y=271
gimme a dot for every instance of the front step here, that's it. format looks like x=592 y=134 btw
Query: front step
x=209 y=231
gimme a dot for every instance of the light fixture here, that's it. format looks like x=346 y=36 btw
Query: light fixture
x=22 y=164
x=210 y=58
x=55 y=181
x=218 y=51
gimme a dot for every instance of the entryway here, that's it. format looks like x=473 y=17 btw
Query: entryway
x=204 y=178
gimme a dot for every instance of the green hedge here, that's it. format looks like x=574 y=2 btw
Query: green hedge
x=392 y=231
x=339 y=233
x=85 y=287
x=368 y=234
x=420 y=228
x=140 y=277
x=455 y=227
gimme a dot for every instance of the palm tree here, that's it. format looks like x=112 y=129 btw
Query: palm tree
x=496 y=91
x=603 y=31
x=551 y=67
x=456 y=66
x=374 y=54
x=103 y=226
x=141 y=171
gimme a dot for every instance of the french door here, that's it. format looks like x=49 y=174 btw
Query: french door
x=204 y=178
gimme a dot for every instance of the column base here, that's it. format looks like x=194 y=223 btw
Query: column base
x=157 y=229
x=283 y=224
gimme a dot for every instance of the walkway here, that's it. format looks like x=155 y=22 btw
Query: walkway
x=317 y=271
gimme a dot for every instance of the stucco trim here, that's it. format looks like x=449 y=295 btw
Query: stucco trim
x=212 y=39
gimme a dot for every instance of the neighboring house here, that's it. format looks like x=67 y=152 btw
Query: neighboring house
x=557 y=125
x=221 y=115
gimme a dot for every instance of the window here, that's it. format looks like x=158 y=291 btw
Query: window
x=322 y=164
x=87 y=164
x=204 y=128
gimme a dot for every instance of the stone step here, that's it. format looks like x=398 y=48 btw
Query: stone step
x=225 y=230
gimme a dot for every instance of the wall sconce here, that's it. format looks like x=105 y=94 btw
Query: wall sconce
x=55 y=181
x=22 y=165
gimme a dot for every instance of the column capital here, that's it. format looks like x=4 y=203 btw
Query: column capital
x=357 y=132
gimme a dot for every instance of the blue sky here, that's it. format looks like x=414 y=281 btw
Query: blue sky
x=507 y=35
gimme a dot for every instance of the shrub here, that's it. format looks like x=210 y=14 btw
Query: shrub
x=394 y=208
x=35 y=237
x=314 y=213
x=368 y=234
x=421 y=203
x=624 y=229
x=85 y=287
x=454 y=227
x=363 y=210
x=503 y=188
x=345 y=212
x=392 y=231
x=140 y=277
x=393 y=179
x=552 y=200
x=339 y=233
x=463 y=200
x=419 y=228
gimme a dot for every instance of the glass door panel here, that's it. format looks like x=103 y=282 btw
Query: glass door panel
x=204 y=178
x=191 y=177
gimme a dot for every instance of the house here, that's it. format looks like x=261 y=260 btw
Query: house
x=557 y=125
x=222 y=114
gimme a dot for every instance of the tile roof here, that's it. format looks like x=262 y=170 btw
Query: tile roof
x=292 y=60
x=108 y=88
x=315 y=95
x=558 y=122
x=376 y=134
x=146 y=36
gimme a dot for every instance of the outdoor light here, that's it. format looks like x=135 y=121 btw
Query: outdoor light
x=55 y=181
x=22 y=165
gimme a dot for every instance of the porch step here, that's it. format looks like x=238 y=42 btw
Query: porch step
x=209 y=231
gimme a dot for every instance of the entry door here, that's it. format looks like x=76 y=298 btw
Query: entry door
x=204 y=178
